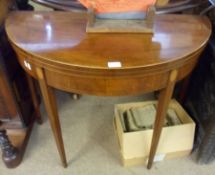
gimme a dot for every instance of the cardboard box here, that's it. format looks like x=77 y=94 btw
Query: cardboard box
x=175 y=141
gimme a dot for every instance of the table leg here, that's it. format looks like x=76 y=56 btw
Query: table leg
x=51 y=108
x=34 y=98
x=163 y=102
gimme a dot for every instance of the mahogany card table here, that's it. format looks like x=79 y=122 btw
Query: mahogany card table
x=54 y=48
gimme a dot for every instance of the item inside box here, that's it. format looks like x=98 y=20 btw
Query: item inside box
x=142 y=118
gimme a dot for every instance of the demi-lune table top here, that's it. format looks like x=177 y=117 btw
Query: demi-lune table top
x=61 y=39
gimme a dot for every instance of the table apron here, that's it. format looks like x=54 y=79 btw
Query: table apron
x=114 y=86
x=136 y=83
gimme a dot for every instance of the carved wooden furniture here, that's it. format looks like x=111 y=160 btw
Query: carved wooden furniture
x=17 y=112
x=55 y=49
x=16 y=107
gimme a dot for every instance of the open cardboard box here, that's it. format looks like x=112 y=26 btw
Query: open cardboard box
x=175 y=141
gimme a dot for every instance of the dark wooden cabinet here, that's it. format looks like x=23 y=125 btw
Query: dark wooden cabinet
x=18 y=106
x=15 y=99
x=7 y=105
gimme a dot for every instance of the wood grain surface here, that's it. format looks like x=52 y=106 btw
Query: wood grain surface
x=75 y=61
